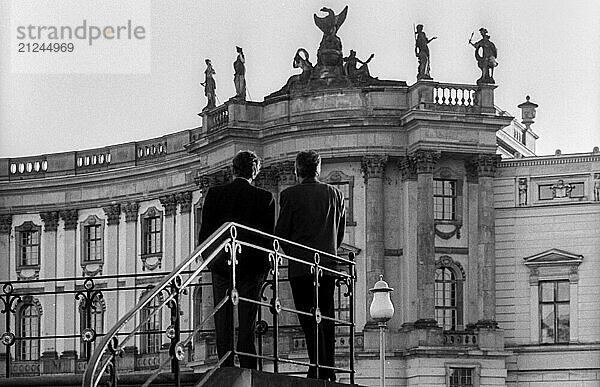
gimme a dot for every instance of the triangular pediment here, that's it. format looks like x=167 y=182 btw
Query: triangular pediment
x=344 y=249
x=554 y=257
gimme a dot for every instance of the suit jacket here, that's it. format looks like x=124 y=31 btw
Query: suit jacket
x=241 y=202
x=313 y=214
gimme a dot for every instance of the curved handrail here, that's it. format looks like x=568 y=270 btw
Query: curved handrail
x=173 y=283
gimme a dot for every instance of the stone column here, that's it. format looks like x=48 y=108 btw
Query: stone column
x=408 y=280
x=48 y=263
x=5 y=231
x=70 y=218
x=184 y=199
x=425 y=161
x=373 y=171
x=169 y=232
x=128 y=265
x=486 y=166
x=111 y=260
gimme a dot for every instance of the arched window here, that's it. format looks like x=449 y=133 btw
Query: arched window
x=28 y=325
x=151 y=338
x=449 y=278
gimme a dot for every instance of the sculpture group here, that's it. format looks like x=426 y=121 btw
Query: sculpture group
x=334 y=70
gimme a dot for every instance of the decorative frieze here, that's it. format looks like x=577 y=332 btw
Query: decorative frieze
x=169 y=202
x=50 y=220
x=5 y=223
x=408 y=168
x=113 y=214
x=424 y=160
x=70 y=218
x=205 y=181
x=373 y=166
x=184 y=199
x=131 y=211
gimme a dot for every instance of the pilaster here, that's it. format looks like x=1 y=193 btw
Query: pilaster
x=129 y=262
x=5 y=231
x=373 y=171
x=184 y=199
x=169 y=202
x=485 y=167
x=112 y=259
x=424 y=162
x=49 y=259
x=70 y=218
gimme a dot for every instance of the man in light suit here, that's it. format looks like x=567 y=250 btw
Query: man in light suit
x=312 y=213
x=241 y=202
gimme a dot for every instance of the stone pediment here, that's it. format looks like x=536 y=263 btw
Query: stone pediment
x=553 y=257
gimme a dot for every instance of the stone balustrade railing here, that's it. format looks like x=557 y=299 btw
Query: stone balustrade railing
x=93 y=158
x=456 y=95
x=460 y=338
x=218 y=118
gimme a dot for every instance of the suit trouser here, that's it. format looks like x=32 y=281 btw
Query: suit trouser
x=303 y=292
x=247 y=288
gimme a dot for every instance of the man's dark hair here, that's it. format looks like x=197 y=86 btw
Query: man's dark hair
x=244 y=163
x=307 y=163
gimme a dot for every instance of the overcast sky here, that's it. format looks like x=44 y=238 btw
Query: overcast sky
x=548 y=49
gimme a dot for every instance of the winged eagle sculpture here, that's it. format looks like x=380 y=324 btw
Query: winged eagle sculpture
x=331 y=23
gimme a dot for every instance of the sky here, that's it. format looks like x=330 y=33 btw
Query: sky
x=548 y=49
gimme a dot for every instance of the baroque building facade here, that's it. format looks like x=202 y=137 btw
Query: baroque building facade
x=495 y=262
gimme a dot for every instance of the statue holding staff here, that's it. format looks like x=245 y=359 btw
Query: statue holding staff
x=486 y=54
x=210 y=85
x=239 y=77
x=422 y=52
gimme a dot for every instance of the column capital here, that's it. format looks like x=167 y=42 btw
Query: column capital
x=424 y=160
x=70 y=217
x=482 y=165
x=113 y=214
x=286 y=172
x=5 y=223
x=50 y=220
x=169 y=202
x=373 y=166
x=184 y=199
x=131 y=211
x=408 y=168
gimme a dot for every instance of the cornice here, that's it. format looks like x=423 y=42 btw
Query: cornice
x=550 y=160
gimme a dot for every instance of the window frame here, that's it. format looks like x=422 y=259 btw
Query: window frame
x=95 y=222
x=28 y=349
x=453 y=199
x=151 y=331
x=28 y=227
x=337 y=179
x=555 y=303
x=455 y=268
x=475 y=368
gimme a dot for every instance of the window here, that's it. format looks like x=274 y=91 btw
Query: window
x=554 y=311
x=93 y=318
x=151 y=327
x=197 y=222
x=28 y=244
x=345 y=184
x=92 y=239
x=448 y=294
x=28 y=325
x=444 y=199
x=152 y=232
x=460 y=377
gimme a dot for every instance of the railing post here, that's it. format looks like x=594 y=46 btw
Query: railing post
x=276 y=305
x=351 y=282
x=317 y=271
x=88 y=334
x=8 y=338
x=176 y=351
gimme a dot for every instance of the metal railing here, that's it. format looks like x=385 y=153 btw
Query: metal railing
x=103 y=363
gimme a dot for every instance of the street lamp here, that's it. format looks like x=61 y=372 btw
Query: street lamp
x=381 y=310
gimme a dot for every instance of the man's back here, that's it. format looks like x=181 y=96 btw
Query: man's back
x=313 y=214
x=243 y=203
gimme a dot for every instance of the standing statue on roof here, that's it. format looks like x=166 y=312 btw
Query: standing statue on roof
x=486 y=54
x=330 y=49
x=239 y=77
x=422 y=52
x=210 y=86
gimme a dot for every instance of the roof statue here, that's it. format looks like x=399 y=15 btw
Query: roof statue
x=485 y=54
x=332 y=69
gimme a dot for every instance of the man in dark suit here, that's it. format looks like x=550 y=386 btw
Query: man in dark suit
x=241 y=202
x=313 y=214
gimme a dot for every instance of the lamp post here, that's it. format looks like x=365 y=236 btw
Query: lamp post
x=381 y=310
